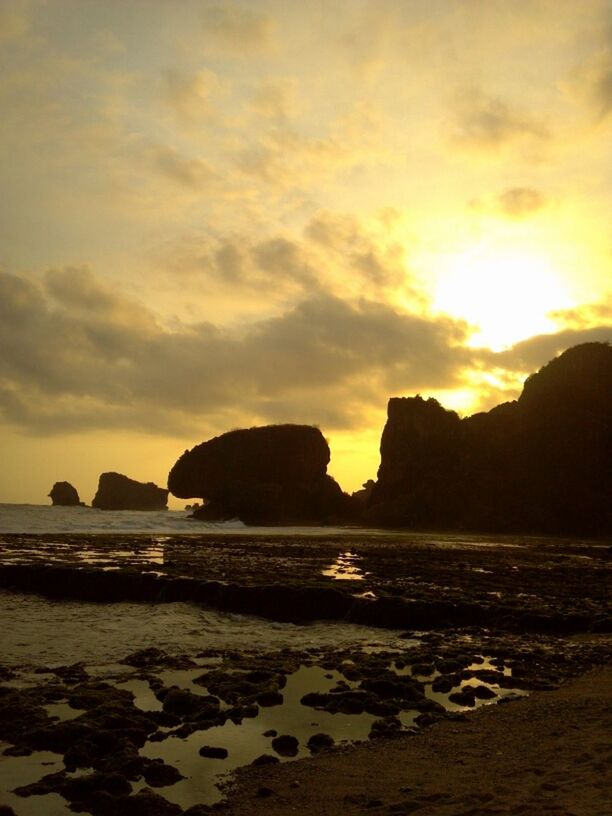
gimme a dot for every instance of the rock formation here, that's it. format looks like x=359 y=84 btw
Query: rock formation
x=64 y=494
x=117 y=492
x=274 y=474
x=542 y=463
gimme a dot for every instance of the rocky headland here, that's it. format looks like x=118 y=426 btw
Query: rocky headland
x=275 y=474
x=118 y=492
x=540 y=464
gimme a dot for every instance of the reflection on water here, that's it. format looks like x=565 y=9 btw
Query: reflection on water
x=139 y=554
x=345 y=568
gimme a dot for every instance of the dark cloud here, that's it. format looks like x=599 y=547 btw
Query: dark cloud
x=488 y=123
x=67 y=364
x=281 y=258
x=77 y=355
x=531 y=354
x=519 y=202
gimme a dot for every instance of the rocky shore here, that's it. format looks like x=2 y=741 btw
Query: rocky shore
x=393 y=728
x=518 y=584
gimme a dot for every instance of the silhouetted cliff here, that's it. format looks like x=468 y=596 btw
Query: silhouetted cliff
x=540 y=464
x=118 y=492
x=274 y=474
x=64 y=494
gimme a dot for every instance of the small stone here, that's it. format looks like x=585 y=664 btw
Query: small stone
x=484 y=693
x=271 y=732
x=264 y=791
x=213 y=752
x=294 y=784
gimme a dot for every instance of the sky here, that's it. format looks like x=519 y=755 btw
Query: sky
x=225 y=214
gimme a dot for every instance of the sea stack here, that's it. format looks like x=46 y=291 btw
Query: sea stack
x=274 y=474
x=542 y=463
x=118 y=492
x=63 y=494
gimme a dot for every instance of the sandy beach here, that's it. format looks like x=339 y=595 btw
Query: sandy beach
x=548 y=753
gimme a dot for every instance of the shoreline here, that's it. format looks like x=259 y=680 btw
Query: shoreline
x=550 y=752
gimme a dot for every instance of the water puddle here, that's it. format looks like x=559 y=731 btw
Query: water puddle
x=253 y=737
x=18 y=771
x=62 y=711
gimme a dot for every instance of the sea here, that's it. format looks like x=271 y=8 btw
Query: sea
x=38 y=631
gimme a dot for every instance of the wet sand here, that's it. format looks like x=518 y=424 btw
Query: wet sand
x=548 y=753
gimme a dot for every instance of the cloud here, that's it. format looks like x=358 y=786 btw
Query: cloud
x=335 y=253
x=586 y=316
x=13 y=23
x=594 y=79
x=279 y=258
x=285 y=158
x=275 y=99
x=77 y=355
x=191 y=95
x=519 y=202
x=193 y=173
x=237 y=30
x=488 y=123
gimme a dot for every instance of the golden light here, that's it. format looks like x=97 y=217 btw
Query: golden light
x=507 y=294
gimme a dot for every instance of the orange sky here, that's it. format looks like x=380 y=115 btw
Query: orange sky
x=224 y=214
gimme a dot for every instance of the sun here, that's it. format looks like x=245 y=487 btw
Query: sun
x=506 y=295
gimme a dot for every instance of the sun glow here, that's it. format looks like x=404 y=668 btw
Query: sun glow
x=507 y=295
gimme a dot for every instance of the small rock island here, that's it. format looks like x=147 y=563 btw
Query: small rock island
x=274 y=474
x=63 y=494
x=118 y=492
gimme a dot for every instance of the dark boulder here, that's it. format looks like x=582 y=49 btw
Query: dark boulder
x=319 y=741
x=63 y=494
x=539 y=464
x=274 y=474
x=117 y=492
x=286 y=745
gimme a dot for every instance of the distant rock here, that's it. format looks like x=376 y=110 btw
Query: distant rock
x=63 y=494
x=542 y=463
x=117 y=492
x=275 y=474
